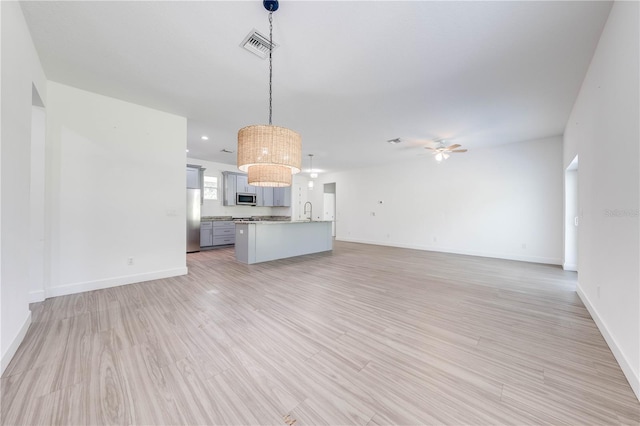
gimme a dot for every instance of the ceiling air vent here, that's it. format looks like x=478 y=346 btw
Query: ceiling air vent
x=257 y=44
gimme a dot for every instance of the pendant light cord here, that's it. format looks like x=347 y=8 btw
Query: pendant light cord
x=270 y=63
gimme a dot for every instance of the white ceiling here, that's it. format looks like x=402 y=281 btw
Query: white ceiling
x=347 y=75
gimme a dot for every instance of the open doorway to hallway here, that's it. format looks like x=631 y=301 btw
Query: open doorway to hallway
x=329 y=205
x=571 y=219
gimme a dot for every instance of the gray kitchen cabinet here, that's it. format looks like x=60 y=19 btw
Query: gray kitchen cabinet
x=224 y=232
x=195 y=176
x=229 y=192
x=265 y=196
x=259 y=196
x=282 y=196
x=242 y=184
x=206 y=234
x=217 y=233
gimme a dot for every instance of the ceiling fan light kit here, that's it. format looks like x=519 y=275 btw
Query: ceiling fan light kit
x=269 y=154
x=441 y=156
x=442 y=152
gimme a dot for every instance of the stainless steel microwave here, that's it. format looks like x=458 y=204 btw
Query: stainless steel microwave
x=245 y=199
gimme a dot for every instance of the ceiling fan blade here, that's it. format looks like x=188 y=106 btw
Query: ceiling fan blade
x=459 y=150
x=454 y=146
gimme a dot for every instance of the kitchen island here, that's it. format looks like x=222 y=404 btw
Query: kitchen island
x=263 y=240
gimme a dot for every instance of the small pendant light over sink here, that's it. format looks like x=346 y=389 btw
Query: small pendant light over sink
x=312 y=175
x=269 y=154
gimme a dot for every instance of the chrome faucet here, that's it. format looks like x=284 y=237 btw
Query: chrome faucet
x=310 y=210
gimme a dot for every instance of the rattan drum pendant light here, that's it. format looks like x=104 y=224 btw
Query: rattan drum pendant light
x=269 y=154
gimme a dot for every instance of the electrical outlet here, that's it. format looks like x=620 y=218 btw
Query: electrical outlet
x=130 y=261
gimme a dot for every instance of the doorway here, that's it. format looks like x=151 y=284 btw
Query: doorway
x=571 y=219
x=329 y=205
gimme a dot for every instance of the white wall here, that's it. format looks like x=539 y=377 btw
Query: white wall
x=3 y=363
x=117 y=175
x=299 y=196
x=487 y=202
x=571 y=212
x=37 y=208
x=20 y=70
x=215 y=207
x=604 y=131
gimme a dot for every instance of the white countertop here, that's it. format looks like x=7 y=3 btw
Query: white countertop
x=280 y=222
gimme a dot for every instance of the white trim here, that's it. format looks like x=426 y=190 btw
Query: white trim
x=633 y=377
x=15 y=344
x=36 y=296
x=521 y=258
x=570 y=267
x=64 y=290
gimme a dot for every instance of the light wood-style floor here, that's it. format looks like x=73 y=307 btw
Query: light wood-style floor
x=365 y=335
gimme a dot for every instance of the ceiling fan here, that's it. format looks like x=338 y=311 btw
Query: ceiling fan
x=441 y=151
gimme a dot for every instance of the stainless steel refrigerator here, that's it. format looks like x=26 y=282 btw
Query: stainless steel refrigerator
x=193 y=220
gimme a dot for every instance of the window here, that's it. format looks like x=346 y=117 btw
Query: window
x=210 y=188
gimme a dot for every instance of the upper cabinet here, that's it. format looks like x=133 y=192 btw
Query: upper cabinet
x=194 y=176
x=265 y=196
x=282 y=196
x=195 y=179
x=229 y=193
x=242 y=185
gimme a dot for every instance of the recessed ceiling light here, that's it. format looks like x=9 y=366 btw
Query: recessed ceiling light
x=187 y=150
x=205 y=138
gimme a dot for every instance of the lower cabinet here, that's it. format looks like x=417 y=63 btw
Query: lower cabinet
x=206 y=234
x=224 y=232
x=217 y=233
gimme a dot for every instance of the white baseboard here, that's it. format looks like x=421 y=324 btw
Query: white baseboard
x=633 y=377
x=570 y=267
x=15 y=344
x=507 y=256
x=66 y=289
x=36 y=296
